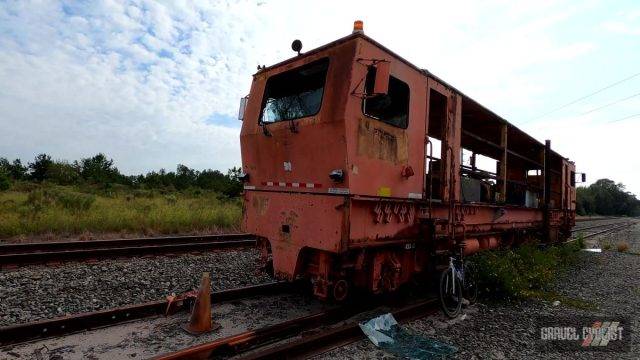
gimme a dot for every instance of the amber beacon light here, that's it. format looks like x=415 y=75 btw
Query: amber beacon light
x=358 y=26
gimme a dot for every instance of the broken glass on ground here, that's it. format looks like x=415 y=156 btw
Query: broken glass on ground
x=385 y=333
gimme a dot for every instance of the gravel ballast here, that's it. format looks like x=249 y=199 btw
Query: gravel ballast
x=41 y=292
x=603 y=284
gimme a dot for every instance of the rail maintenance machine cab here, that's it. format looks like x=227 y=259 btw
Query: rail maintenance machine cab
x=363 y=170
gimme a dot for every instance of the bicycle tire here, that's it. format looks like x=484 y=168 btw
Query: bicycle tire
x=450 y=302
x=470 y=282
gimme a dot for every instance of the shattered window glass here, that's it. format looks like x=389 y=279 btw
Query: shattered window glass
x=391 y=108
x=385 y=333
x=294 y=94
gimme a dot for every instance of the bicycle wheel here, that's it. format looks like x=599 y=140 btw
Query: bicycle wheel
x=450 y=295
x=470 y=283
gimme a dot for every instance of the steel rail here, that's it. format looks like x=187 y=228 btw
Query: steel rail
x=604 y=231
x=252 y=339
x=609 y=230
x=597 y=226
x=86 y=321
x=339 y=336
x=29 y=253
x=595 y=218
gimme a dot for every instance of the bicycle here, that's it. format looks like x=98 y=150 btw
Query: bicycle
x=458 y=281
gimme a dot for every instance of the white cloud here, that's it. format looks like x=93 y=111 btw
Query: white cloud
x=139 y=79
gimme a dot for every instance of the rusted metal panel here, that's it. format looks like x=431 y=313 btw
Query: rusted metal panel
x=298 y=156
x=292 y=222
x=371 y=224
x=378 y=152
x=380 y=141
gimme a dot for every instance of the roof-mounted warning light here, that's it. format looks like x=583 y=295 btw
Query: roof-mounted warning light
x=358 y=27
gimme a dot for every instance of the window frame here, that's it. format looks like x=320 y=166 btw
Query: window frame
x=264 y=93
x=364 y=100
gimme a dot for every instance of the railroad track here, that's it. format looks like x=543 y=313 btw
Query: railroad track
x=47 y=252
x=335 y=333
x=14 y=334
x=595 y=218
x=598 y=229
x=253 y=344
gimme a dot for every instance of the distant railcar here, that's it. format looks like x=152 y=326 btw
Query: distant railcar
x=363 y=170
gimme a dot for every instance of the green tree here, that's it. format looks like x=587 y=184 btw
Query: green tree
x=99 y=169
x=40 y=166
x=63 y=173
x=17 y=170
x=5 y=184
x=185 y=177
x=605 y=197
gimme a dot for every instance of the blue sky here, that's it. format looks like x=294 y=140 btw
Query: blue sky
x=153 y=84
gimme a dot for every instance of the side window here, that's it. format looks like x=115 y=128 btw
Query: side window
x=294 y=94
x=392 y=108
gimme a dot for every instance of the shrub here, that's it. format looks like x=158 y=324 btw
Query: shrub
x=521 y=272
x=62 y=173
x=144 y=194
x=623 y=246
x=75 y=201
x=42 y=198
x=171 y=199
x=5 y=184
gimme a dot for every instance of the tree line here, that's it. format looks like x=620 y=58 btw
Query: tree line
x=605 y=197
x=100 y=170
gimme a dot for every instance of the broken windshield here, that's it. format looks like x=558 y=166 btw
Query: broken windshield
x=295 y=93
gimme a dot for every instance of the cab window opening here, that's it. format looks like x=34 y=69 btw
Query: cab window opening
x=391 y=108
x=294 y=94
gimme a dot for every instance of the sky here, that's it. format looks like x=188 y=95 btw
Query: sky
x=153 y=84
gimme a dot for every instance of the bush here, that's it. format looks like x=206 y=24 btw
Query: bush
x=75 y=201
x=41 y=198
x=521 y=272
x=5 y=184
x=62 y=173
x=171 y=199
x=623 y=247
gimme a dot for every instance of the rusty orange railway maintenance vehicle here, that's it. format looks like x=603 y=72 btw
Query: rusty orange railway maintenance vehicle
x=362 y=170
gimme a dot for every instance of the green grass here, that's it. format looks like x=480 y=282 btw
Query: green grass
x=71 y=210
x=523 y=272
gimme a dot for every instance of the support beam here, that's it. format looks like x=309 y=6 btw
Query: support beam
x=500 y=147
x=503 y=163
x=547 y=188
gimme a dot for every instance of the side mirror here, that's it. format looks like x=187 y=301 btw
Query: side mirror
x=243 y=106
x=381 y=84
x=574 y=178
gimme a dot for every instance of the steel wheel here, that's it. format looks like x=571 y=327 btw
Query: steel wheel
x=341 y=290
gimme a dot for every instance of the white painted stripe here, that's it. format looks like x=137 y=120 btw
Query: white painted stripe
x=282 y=184
x=269 y=183
x=309 y=185
x=249 y=187
x=295 y=184
x=415 y=195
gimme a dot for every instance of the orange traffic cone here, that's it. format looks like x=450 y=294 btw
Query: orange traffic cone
x=200 y=320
